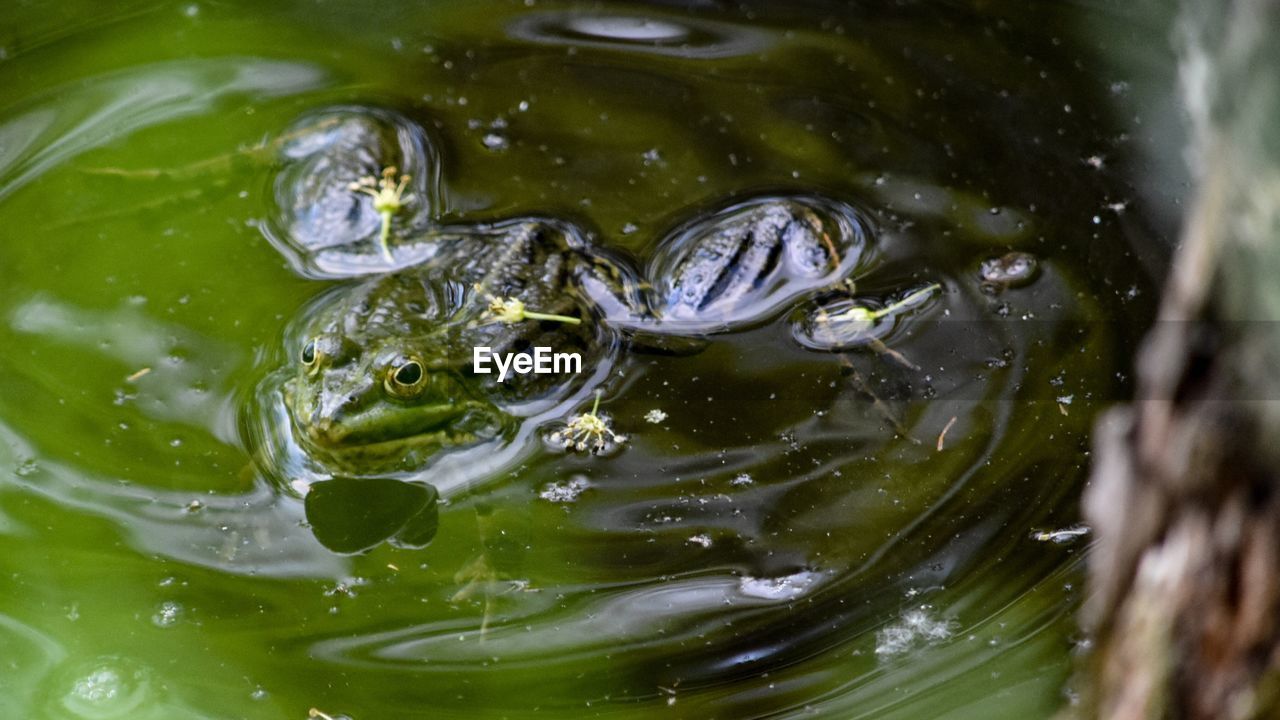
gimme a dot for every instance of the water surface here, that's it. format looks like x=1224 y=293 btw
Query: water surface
x=788 y=541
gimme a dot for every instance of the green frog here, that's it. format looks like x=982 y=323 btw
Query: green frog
x=383 y=373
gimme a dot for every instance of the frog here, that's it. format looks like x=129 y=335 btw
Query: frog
x=381 y=374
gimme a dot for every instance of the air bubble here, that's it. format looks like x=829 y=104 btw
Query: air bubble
x=103 y=689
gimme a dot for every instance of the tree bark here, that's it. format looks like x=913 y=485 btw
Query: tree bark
x=1184 y=605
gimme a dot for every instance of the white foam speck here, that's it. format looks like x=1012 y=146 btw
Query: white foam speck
x=786 y=587
x=566 y=491
x=167 y=614
x=915 y=629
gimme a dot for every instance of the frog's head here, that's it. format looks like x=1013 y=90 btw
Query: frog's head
x=389 y=402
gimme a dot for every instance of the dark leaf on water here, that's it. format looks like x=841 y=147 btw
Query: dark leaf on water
x=351 y=515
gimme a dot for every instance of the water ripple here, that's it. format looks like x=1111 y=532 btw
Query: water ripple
x=69 y=120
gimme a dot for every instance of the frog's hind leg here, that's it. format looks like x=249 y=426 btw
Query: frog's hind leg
x=611 y=284
x=749 y=262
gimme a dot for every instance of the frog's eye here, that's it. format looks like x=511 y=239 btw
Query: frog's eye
x=409 y=373
x=308 y=354
x=405 y=378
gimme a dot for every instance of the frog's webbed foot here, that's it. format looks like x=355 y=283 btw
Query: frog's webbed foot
x=750 y=261
x=880 y=404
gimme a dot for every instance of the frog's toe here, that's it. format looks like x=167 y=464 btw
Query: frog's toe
x=749 y=261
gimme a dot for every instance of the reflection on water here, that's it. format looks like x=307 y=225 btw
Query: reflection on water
x=68 y=121
x=839 y=527
x=253 y=533
x=174 y=363
x=686 y=38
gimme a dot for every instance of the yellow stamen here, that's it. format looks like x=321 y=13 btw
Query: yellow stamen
x=388 y=199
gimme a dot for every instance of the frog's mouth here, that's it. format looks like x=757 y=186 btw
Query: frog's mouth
x=372 y=455
x=390 y=433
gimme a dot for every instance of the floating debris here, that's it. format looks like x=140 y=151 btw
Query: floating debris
x=566 y=491
x=112 y=687
x=495 y=141
x=655 y=416
x=587 y=432
x=942 y=436
x=741 y=479
x=916 y=629
x=1063 y=536
x=848 y=323
x=167 y=614
x=866 y=315
x=1064 y=401
x=138 y=375
x=701 y=539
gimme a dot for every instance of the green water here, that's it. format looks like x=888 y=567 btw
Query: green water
x=774 y=548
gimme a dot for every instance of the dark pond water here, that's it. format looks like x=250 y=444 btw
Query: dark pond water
x=795 y=531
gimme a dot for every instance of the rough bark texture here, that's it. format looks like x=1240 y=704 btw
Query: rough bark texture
x=1185 y=496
